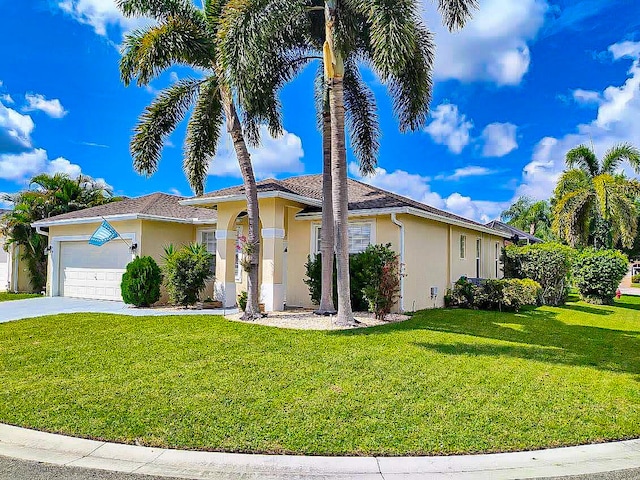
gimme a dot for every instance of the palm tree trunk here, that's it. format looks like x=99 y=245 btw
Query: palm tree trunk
x=334 y=73
x=252 y=310
x=326 y=232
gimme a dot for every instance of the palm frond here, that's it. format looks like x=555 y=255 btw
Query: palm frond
x=362 y=118
x=572 y=215
x=158 y=120
x=584 y=158
x=203 y=134
x=158 y=9
x=148 y=52
x=618 y=154
x=456 y=13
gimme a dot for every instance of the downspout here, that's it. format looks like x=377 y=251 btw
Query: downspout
x=40 y=231
x=402 y=269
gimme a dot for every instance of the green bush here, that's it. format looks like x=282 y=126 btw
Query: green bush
x=549 y=264
x=597 y=274
x=313 y=280
x=518 y=292
x=635 y=278
x=461 y=295
x=242 y=300
x=381 y=268
x=186 y=272
x=141 y=282
x=505 y=294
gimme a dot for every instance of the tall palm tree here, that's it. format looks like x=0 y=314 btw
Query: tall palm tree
x=186 y=35
x=593 y=203
x=392 y=41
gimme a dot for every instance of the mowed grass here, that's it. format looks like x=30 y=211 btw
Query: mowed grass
x=444 y=382
x=6 y=296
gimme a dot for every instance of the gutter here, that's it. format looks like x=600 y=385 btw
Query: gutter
x=402 y=264
x=120 y=218
x=242 y=197
x=39 y=230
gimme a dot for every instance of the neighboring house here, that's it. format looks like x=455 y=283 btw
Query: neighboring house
x=146 y=225
x=519 y=237
x=436 y=247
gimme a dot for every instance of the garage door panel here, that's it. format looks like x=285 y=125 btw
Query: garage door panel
x=87 y=271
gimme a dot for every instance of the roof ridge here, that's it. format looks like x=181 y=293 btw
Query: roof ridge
x=149 y=201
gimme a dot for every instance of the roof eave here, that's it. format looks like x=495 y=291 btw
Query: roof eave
x=120 y=218
x=242 y=197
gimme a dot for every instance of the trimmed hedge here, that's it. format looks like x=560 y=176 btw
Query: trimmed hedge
x=549 y=264
x=635 y=278
x=141 y=282
x=597 y=274
x=186 y=272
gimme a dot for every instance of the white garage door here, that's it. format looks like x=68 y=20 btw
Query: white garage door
x=4 y=269
x=87 y=271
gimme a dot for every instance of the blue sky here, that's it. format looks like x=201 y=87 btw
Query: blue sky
x=524 y=82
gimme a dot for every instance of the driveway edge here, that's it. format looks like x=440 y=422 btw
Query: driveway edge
x=56 y=449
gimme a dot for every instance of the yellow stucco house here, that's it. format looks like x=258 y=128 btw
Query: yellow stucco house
x=436 y=247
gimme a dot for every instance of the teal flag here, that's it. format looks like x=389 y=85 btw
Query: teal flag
x=103 y=234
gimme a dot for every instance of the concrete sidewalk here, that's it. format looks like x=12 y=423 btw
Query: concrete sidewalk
x=38 y=307
x=61 y=450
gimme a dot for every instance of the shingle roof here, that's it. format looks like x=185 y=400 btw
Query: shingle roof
x=361 y=195
x=522 y=235
x=154 y=205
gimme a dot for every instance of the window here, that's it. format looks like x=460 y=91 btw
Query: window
x=208 y=239
x=238 y=262
x=478 y=256
x=463 y=246
x=497 y=259
x=360 y=237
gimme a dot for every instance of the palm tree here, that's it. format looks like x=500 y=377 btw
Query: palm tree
x=47 y=196
x=186 y=35
x=593 y=203
x=392 y=41
x=530 y=216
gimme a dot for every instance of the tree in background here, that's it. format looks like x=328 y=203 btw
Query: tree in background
x=530 y=216
x=47 y=196
x=594 y=204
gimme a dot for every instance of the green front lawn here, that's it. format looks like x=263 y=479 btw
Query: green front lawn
x=446 y=381
x=6 y=296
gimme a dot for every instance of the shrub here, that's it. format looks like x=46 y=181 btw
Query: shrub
x=509 y=294
x=313 y=280
x=549 y=264
x=381 y=269
x=141 y=282
x=517 y=292
x=635 y=278
x=597 y=274
x=186 y=272
x=242 y=300
x=462 y=294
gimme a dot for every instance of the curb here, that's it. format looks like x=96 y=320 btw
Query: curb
x=56 y=449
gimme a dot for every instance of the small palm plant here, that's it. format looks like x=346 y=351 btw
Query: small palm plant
x=594 y=203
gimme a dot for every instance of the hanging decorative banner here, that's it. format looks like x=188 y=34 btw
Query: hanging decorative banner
x=105 y=233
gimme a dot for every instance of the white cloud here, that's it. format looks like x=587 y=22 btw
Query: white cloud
x=5 y=204
x=465 y=172
x=417 y=188
x=615 y=122
x=6 y=98
x=273 y=156
x=499 y=139
x=175 y=191
x=449 y=127
x=99 y=14
x=493 y=46
x=53 y=107
x=22 y=166
x=586 y=97
x=15 y=130
x=173 y=76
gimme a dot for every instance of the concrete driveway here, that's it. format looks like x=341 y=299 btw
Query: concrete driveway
x=38 y=307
